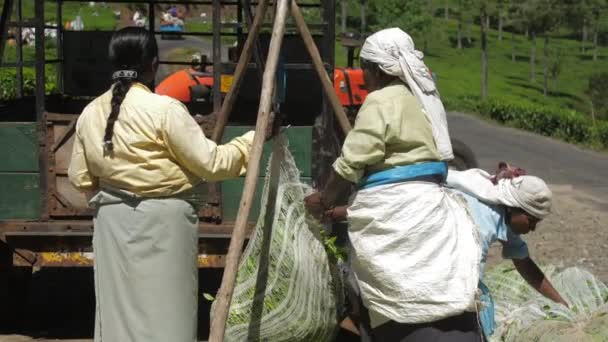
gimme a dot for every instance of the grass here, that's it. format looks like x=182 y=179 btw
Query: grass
x=459 y=71
x=194 y=25
x=94 y=18
x=180 y=55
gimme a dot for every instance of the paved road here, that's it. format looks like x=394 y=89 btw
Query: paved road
x=552 y=160
x=203 y=45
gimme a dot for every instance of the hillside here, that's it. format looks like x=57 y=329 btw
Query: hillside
x=458 y=72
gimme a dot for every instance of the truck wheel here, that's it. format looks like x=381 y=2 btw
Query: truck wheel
x=464 y=158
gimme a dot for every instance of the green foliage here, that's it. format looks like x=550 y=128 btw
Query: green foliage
x=597 y=90
x=98 y=18
x=8 y=82
x=564 y=124
x=458 y=71
x=544 y=15
x=412 y=16
x=556 y=62
x=338 y=253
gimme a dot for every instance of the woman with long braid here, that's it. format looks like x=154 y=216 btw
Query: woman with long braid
x=140 y=156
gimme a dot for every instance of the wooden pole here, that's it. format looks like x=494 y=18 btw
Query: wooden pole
x=39 y=91
x=257 y=51
x=241 y=66
x=224 y=112
x=217 y=55
x=296 y=13
x=224 y=296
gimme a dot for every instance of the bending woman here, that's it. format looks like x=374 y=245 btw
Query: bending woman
x=140 y=155
x=415 y=256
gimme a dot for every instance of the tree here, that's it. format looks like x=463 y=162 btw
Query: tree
x=411 y=16
x=597 y=90
x=502 y=10
x=555 y=65
x=463 y=10
x=483 y=15
x=549 y=14
x=598 y=10
x=517 y=23
x=578 y=18
x=363 y=12
x=343 y=15
x=526 y=12
x=540 y=17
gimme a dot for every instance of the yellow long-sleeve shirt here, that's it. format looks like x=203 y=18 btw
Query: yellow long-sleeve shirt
x=390 y=130
x=159 y=150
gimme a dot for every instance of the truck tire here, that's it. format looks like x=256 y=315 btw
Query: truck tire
x=464 y=158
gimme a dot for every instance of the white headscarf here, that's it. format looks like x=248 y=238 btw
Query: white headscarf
x=529 y=193
x=393 y=51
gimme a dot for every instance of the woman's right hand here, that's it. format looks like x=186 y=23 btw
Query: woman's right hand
x=336 y=214
x=314 y=205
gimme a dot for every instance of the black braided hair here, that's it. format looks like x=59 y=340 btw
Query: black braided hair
x=131 y=49
x=119 y=92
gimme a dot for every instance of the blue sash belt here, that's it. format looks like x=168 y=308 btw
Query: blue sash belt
x=428 y=171
x=486 y=314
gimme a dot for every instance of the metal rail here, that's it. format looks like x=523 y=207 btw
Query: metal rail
x=19 y=52
x=40 y=118
x=7 y=8
x=187 y=2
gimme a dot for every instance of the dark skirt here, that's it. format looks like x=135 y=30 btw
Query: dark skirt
x=461 y=328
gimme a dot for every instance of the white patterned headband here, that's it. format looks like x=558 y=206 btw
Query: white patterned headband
x=124 y=74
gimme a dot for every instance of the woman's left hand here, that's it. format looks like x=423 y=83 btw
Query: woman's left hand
x=314 y=204
x=336 y=214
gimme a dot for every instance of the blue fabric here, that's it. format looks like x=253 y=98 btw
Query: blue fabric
x=486 y=313
x=171 y=28
x=491 y=221
x=405 y=173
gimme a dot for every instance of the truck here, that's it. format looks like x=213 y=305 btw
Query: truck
x=46 y=224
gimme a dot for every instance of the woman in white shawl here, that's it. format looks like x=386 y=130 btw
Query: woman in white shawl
x=415 y=254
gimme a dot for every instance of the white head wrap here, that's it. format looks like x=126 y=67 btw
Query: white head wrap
x=529 y=193
x=393 y=51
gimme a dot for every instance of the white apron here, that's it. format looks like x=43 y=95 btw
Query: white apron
x=416 y=253
x=146 y=277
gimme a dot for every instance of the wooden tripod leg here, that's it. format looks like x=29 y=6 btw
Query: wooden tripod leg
x=241 y=66
x=296 y=13
x=224 y=296
x=257 y=52
x=222 y=117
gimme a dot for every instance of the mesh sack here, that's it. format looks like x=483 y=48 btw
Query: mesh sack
x=297 y=294
x=522 y=314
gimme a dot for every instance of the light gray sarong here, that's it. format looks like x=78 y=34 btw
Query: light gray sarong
x=146 y=276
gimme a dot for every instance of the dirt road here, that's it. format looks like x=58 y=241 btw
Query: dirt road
x=576 y=234
x=166 y=46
